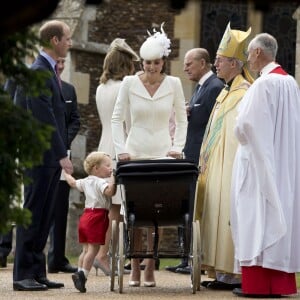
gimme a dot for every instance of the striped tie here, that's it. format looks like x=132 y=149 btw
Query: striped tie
x=57 y=75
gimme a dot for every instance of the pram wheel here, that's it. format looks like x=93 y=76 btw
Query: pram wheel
x=121 y=256
x=199 y=254
x=114 y=240
x=195 y=259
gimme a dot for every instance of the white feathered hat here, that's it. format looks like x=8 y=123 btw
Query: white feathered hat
x=156 y=46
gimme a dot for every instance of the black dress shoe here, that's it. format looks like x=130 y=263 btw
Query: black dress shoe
x=173 y=268
x=79 y=281
x=219 y=285
x=50 y=284
x=205 y=283
x=127 y=266
x=239 y=292
x=64 y=269
x=29 y=285
x=186 y=270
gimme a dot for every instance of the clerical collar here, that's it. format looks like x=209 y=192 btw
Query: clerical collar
x=228 y=85
x=268 y=68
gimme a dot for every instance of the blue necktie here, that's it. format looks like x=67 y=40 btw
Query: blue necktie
x=195 y=94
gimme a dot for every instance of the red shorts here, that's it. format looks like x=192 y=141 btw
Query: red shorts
x=93 y=225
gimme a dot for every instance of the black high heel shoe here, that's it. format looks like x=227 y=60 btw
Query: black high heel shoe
x=128 y=265
x=142 y=266
x=157 y=263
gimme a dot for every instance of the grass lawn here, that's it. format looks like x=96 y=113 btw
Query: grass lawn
x=163 y=262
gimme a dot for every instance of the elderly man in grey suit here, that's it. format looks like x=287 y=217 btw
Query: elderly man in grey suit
x=198 y=67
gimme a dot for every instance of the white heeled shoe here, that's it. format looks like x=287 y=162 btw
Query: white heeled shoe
x=149 y=283
x=134 y=283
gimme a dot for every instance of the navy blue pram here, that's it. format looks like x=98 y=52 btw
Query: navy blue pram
x=156 y=193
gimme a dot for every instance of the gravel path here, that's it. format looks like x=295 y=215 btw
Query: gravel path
x=169 y=286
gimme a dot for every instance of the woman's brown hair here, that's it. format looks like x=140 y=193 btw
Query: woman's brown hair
x=117 y=64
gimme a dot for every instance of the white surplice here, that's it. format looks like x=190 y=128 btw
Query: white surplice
x=265 y=206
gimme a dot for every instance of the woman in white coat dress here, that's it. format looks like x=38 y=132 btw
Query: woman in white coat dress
x=150 y=97
x=118 y=62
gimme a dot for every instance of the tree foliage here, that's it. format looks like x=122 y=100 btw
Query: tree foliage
x=23 y=139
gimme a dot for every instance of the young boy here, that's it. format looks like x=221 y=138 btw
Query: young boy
x=94 y=221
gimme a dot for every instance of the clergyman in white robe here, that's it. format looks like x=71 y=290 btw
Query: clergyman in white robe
x=265 y=204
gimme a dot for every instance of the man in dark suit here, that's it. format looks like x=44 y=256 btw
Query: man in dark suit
x=57 y=260
x=29 y=273
x=197 y=66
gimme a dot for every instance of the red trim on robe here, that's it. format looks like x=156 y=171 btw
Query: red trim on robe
x=279 y=70
x=257 y=280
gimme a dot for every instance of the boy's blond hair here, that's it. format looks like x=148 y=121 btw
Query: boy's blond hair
x=93 y=159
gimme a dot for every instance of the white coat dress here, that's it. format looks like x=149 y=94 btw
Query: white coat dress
x=149 y=135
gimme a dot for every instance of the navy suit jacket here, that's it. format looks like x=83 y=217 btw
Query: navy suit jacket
x=199 y=115
x=72 y=115
x=51 y=109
